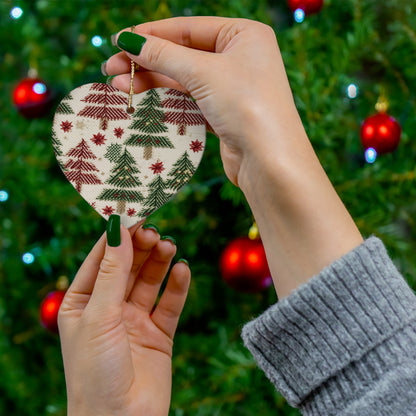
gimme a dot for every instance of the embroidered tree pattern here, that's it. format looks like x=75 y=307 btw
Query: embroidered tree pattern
x=184 y=112
x=181 y=173
x=105 y=103
x=113 y=152
x=77 y=169
x=123 y=178
x=56 y=145
x=157 y=196
x=63 y=107
x=149 y=123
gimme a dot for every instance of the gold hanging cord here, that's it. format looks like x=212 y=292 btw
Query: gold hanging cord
x=133 y=68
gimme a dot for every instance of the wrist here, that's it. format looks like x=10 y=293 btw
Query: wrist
x=302 y=221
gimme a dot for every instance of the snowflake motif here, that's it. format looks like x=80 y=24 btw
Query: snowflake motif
x=108 y=210
x=157 y=167
x=98 y=139
x=66 y=126
x=196 y=146
x=118 y=132
x=131 y=212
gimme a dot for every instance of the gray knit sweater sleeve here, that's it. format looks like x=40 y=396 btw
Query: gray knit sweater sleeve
x=345 y=342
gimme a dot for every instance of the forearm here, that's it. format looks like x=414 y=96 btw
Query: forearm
x=343 y=343
x=303 y=223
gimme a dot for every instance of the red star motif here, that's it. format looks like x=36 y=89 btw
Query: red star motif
x=131 y=212
x=196 y=146
x=66 y=126
x=157 y=167
x=108 y=210
x=98 y=139
x=118 y=132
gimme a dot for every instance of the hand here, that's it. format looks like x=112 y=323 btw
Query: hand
x=234 y=70
x=117 y=353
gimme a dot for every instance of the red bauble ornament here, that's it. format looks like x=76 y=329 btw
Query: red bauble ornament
x=381 y=132
x=308 y=6
x=49 y=310
x=32 y=98
x=244 y=266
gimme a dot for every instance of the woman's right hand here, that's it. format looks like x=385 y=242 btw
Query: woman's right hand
x=234 y=70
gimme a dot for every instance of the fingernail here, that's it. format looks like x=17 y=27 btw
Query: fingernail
x=184 y=261
x=131 y=42
x=114 y=39
x=110 y=80
x=113 y=231
x=168 y=237
x=104 y=69
x=150 y=227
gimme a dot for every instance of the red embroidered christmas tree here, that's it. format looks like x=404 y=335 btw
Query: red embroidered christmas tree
x=149 y=123
x=157 y=196
x=184 y=112
x=181 y=173
x=105 y=103
x=123 y=179
x=77 y=169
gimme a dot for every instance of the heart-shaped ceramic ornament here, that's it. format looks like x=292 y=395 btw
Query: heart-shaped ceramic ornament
x=128 y=162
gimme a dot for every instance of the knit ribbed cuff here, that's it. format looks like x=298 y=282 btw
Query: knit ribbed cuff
x=339 y=326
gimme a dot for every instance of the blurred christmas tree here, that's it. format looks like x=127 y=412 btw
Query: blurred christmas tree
x=47 y=229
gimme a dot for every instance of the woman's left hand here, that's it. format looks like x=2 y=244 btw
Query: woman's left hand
x=116 y=347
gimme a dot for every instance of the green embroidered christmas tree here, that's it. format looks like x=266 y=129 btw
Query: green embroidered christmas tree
x=63 y=107
x=56 y=145
x=148 y=120
x=182 y=171
x=113 y=152
x=123 y=180
x=156 y=197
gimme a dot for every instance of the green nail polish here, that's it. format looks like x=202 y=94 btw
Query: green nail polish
x=184 y=261
x=114 y=39
x=150 y=227
x=131 y=42
x=113 y=231
x=168 y=237
x=104 y=69
x=109 y=80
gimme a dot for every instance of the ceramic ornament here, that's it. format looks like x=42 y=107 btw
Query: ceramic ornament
x=128 y=158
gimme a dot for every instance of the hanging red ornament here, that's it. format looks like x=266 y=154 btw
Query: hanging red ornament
x=381 y=132
x=244 y=266
x=49 y=309
x=308 y=6
x=32 y=98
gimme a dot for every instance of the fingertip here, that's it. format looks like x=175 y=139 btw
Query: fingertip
x=181 y=274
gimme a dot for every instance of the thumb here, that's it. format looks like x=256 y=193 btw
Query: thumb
x=110 y=286
x=180 y=63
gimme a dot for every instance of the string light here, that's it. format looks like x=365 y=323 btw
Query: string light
x=4 y=196
x=299 y=15
x=352 y=91
x=16 y=13
x=97 y=41
x=370 y=155
x=39 y=88
x=28 y=258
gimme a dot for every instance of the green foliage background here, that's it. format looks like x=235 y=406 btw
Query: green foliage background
x=368 y=42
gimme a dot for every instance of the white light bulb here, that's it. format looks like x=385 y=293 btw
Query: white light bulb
x=16 y=12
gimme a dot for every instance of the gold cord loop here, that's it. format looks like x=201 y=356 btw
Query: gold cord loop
x=133 y=67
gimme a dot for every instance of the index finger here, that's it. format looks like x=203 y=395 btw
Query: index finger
x=197 y=32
